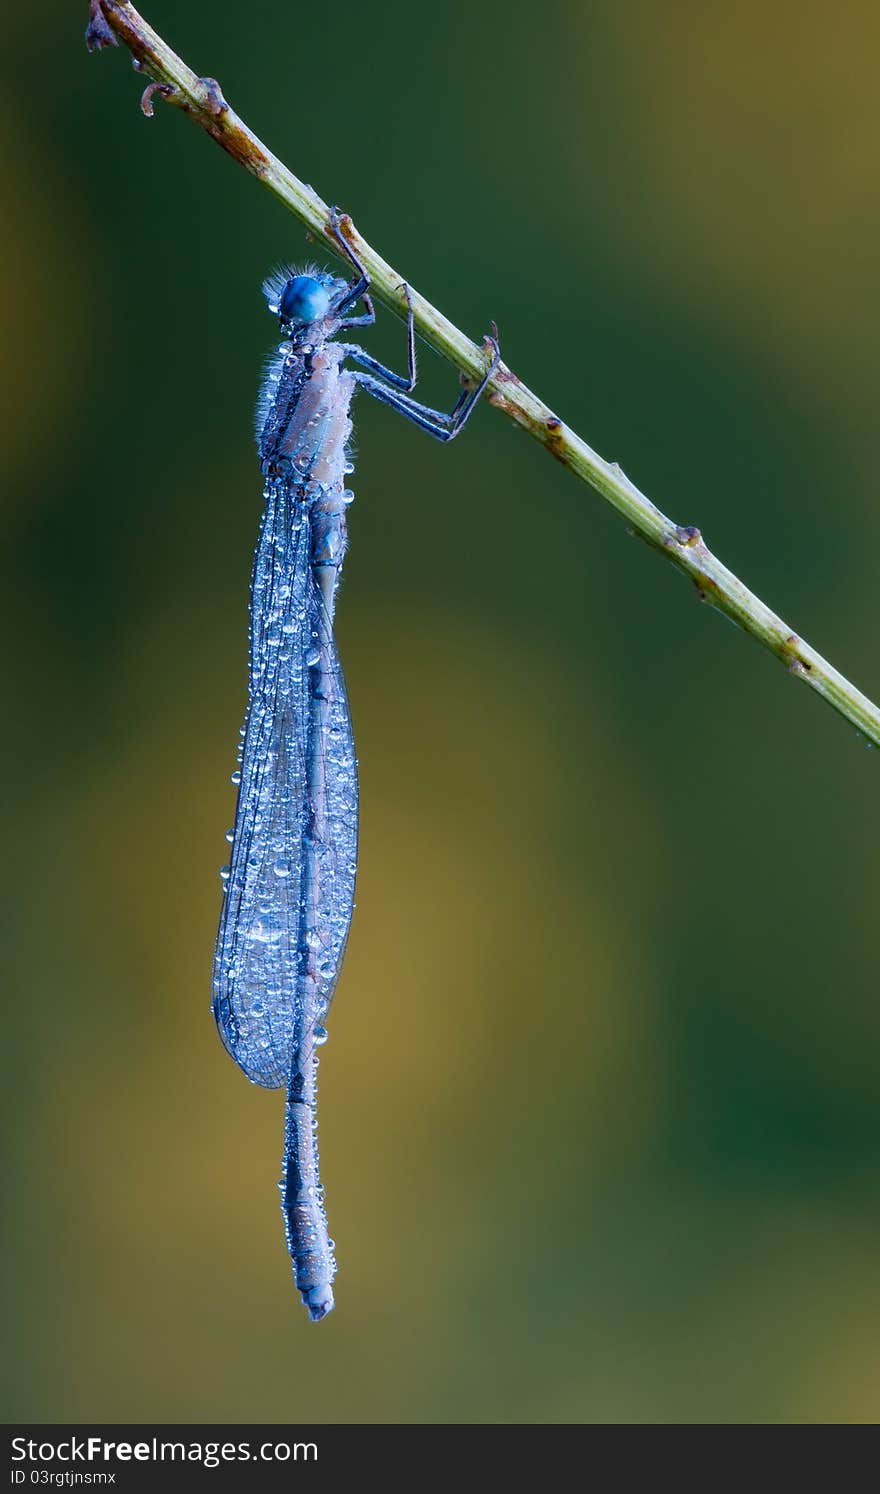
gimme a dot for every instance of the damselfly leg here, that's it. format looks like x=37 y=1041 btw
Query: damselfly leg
x=445 y=426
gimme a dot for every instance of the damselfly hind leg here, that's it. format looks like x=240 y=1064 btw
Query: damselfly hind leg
x=445 y=426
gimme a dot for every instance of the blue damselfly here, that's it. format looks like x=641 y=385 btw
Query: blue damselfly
x=289 y=886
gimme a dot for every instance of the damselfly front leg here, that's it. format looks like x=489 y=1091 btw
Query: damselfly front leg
x=358 y=290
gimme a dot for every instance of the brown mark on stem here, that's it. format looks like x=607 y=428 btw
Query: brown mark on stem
x=554 y=438
x=526 y=422
x=228 y=131
x=346 y=228
x=792 y=658
x=501 y=403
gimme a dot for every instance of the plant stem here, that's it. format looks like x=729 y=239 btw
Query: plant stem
x=112 y=21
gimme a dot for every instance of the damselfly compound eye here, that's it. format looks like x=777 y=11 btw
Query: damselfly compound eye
x=304 y=299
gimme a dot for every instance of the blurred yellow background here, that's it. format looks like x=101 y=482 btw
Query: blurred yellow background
x=600 y=1118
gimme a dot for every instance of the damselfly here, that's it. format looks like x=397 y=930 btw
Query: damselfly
x=289 y=886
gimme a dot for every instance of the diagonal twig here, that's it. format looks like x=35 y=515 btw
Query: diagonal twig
x=112 y=22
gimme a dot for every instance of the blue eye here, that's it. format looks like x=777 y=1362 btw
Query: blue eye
x=304 y=299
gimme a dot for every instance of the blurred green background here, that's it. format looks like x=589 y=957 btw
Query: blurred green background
x=601 y=1105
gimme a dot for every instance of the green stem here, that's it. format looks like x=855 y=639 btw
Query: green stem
x=113 y=21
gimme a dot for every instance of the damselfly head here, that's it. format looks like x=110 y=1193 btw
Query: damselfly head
x=300 y=297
